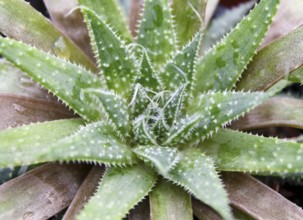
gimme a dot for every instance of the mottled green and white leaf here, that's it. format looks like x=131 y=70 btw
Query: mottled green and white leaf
x=47 y=69
x=25 y=145
x=169 y=201
x=110 y=13
x=222 y=66
x=116 y=63
x=196 y=173
x=189 y=17
x=114 y=198
x=162 y=158
x=182 y=69
x=241 y=152
x=113 y=106
x=156 y=31
x=276 y=61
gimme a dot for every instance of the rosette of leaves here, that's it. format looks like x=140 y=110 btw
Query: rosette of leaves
x=154 y=112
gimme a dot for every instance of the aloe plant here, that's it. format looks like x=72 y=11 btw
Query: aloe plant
x=154 y=112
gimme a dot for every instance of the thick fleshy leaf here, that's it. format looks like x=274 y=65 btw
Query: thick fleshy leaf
x=114 y=198
x=297 y=75
x=182 y=69
x=117 y=65
x=211 y=111
x=168 y=201
x=277 y=111
x=163 y=158
x=274 y=62
x=86 y=190
x=148 y=79
x=14 y=81
x=97 y=142
x=139 y=102
x=189 y=18
x=65 y=16
x=42 y=192
x=114 y=108
x=196 y=173
x=260 y=201
x=20 y=21
x=143 y=133
x=18 y=110
x=223 y=23
x=236 y=151
x=110 y=13
x=24 y=145
x=156 y=31
x=221 y=67
x=175 y=104
x=47 y=69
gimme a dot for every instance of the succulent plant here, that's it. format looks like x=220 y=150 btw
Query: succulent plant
x=154 y=112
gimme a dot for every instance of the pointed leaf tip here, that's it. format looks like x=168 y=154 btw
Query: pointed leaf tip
x=222 y=66
x=196 y=173
x=116 y=64
x=114 y=198
x=156 y=31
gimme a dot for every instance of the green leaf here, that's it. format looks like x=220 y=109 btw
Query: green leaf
x=148 y=79
x=211 y=111
x=274 y=62
x=221 y=67
x=23 y=145
x=174 y=106
x=117 y=65
x=182 y=69
x=20 y=21
x=277 y=111
x=224 y=23
x=97 y=143
x=163 y=158
x=236 y=151
x=189 y=18
x=113 y=107
x=114 y=198
x=142 y=131
x=168 y=201
x=297 y=75
x=156 y=31
x=196 y=173
x=139 y=102
x=47 y=69
x=110 y=13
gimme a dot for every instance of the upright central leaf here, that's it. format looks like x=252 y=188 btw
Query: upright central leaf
x=189 y=17
x=182 y=69
x=116 y=63
x=156 y=32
